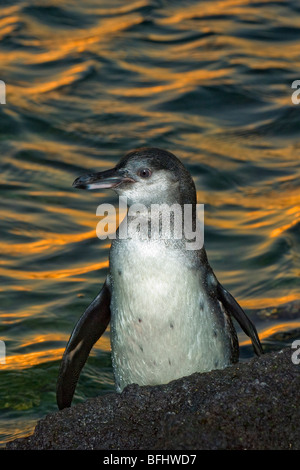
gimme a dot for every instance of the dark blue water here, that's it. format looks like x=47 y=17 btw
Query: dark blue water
x=88 y=81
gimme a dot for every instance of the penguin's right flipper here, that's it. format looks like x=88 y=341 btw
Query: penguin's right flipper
x=232 y=307
x=87 y=331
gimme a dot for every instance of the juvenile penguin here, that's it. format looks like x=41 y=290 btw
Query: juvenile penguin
x=170 y=317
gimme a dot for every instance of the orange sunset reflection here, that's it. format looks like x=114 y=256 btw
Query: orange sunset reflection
x=29 y=359
x=268 y=332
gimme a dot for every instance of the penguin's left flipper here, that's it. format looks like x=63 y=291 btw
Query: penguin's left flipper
x=233 y=308
x=87 y=331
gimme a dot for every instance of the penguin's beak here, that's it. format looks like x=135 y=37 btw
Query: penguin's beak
x=103 y=180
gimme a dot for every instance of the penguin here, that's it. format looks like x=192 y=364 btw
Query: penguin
x=169 y=315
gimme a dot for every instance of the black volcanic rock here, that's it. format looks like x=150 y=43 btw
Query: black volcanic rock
x=253 y=405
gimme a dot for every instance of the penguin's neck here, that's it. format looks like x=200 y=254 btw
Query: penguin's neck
x=158 y=221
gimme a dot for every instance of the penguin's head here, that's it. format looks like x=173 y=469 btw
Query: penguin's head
x=145 y=176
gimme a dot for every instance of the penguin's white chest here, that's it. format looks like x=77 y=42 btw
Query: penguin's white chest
x=162 y=325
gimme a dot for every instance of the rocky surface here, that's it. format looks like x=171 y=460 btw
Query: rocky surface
x=253 y=405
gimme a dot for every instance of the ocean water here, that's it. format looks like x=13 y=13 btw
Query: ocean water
x=87 y=81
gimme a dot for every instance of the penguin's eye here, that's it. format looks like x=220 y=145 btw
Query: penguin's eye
x=144 y=173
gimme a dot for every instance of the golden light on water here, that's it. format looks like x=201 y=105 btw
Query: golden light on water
x=295 y=213
x=268 y=301
x=66 y=273
x=53 y=240
x=25 y=360
x=268 y=332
